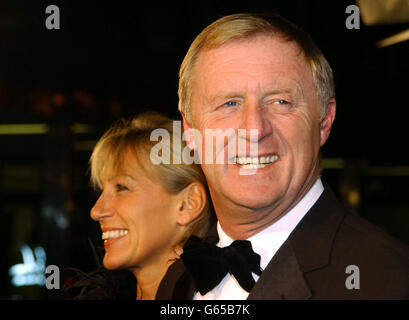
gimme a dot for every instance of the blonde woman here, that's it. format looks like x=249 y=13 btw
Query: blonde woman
x=146 y=211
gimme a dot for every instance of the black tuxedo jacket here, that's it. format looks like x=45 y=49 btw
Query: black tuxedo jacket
x=312 y=263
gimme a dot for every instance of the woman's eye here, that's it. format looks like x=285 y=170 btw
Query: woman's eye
x=121 y=187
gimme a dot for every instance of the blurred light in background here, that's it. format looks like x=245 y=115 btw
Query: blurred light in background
x=41 y=128
x=332 y=163
x=366 y=169
x=353 y=197
x=26 y=128
x=79 y=128
x=381 y=12
x=399 y=37
x=31 y=271
x=384 y=12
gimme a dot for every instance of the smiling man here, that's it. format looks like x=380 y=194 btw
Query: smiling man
x=260 y=83
x=260 y=72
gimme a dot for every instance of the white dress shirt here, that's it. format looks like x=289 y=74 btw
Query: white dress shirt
x=266 y=243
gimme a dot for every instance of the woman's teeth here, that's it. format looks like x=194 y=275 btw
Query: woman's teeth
x=255 y=162
x=113 y=234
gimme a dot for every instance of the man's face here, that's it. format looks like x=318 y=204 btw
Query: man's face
x=264 y=84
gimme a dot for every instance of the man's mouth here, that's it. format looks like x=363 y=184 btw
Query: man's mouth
x=112 y=234
x=255 y=162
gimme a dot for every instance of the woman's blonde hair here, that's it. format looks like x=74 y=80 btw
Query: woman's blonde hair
x=239 y=27
x=134 y=135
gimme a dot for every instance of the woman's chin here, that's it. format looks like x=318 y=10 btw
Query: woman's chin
x=112 y=263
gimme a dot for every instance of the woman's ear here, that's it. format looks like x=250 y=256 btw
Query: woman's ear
x=192 y=203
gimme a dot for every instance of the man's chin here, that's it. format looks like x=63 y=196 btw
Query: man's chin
x=253 y=200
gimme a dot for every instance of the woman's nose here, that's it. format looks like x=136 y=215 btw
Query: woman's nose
x=101 y=209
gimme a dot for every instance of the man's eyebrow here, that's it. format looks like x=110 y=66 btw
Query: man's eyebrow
x=280 y=90
x=296 y=88
x=223 y=96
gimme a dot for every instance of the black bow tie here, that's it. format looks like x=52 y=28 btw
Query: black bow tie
x=208 y=264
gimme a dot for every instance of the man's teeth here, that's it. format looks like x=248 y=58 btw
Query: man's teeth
x=253 y=166
x=113 y=234
x=255 y=162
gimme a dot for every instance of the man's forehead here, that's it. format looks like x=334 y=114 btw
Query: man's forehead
x=271 y=48
x=266 y=57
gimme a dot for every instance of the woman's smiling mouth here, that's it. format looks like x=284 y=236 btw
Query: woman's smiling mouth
x=112 y=235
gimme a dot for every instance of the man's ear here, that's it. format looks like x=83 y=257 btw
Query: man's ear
x=188 y=132
x=192 y=203
x=327 y=121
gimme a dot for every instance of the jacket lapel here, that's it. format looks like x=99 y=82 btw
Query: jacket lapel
x=282 y=279
x=312 y=240
x=307 y=248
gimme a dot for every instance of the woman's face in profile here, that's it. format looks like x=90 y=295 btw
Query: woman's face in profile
x=137 y=218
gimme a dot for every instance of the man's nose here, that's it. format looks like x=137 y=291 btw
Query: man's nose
x=101 y=210
x=256 y=122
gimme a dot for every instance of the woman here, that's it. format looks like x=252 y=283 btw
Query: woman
x=146 y=211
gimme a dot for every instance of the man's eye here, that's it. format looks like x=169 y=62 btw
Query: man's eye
x=281 y=101
x=230 y=104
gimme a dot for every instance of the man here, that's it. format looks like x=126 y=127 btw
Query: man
x=261 y=72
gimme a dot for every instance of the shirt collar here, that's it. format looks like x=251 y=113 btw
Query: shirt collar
x=267 y=242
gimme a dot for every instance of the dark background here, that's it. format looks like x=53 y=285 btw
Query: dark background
x=116 y=59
